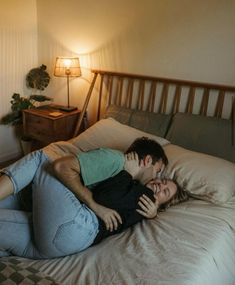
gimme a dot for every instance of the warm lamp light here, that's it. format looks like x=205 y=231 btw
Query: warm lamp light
x=67 y=67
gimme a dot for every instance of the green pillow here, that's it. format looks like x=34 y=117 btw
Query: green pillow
x=153 y=123
x=203 y=134
x=120 y=114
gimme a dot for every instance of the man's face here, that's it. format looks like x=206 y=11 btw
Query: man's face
x=150 y=171
x=163 y=190
x=158 y=167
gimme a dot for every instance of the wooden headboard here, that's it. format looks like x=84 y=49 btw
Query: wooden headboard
x=160 y=95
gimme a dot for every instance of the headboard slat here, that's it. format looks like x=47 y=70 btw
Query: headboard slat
x=128 y=99
x=140 y=103
x=110 y=89
x=164 y=98
x=152 y=96
x=176 y=101
x=119 y=91
x=190 y=102
x=219 y=104
x=204 y=102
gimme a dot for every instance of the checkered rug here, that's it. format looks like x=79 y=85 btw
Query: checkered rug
x=14 y=272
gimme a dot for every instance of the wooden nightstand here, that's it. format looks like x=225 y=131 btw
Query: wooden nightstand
x=41 y=126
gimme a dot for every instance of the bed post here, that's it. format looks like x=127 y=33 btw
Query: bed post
x=88 y=96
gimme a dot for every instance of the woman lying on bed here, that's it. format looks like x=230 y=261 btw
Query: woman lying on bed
x=134 y=201
x=61 y=224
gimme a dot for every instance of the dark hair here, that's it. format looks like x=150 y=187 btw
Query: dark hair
x=179 y=197
x=145 y=146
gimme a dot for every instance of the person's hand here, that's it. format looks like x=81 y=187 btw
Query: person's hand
x=148 y=207
x=110 y=217
x=132 y=164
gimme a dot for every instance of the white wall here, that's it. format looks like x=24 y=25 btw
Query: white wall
x=184 y=39
x=176 y=38
x=18 y=53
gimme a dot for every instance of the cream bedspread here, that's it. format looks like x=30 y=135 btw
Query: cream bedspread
x=192 y=244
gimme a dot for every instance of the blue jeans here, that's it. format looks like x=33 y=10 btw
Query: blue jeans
x=59 y=224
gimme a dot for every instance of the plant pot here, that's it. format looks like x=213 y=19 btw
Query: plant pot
x=26 y=146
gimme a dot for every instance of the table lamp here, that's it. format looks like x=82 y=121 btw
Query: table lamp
x=67 y=67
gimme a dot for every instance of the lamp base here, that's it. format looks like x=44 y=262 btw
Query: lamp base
x=67 y=108
x=63 y=108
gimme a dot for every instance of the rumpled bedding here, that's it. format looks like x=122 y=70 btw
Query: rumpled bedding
x=192 y=243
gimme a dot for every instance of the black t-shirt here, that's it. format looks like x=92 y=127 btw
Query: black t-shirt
x=122 y=194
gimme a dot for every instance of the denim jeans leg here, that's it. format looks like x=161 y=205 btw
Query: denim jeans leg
x=62 y=225
x=22 y=171
x=16 y=234
x=10 y=202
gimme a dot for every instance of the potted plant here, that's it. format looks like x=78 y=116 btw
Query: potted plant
x=37 y=79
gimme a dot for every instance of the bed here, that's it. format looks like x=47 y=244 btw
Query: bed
x=192 y=243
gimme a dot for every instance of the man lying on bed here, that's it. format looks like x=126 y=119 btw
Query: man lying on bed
x=83 y=172
x=61 y=224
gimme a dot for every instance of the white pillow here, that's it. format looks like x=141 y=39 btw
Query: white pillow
x=110 y=133
x=205 y=177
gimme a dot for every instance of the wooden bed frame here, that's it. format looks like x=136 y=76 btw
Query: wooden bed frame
x=160 y=95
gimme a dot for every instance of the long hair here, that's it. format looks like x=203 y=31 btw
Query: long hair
x=179 y=197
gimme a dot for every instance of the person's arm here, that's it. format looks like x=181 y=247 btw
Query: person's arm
x=148 y=207
x=6 y=186
x=67 y=170
x=132 y=164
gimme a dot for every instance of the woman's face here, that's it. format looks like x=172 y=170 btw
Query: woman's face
x=163 y=190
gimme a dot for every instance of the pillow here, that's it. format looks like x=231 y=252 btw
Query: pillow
x=120 y=114
x=153 y=123
x=204 y=134
x=205 y=177
x=112 y=134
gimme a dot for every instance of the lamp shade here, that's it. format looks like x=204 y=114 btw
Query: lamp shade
x=67 y=66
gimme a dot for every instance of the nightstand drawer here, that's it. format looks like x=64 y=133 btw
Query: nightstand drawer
x=39 y=130
x=36 y=120
x=39 y=125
